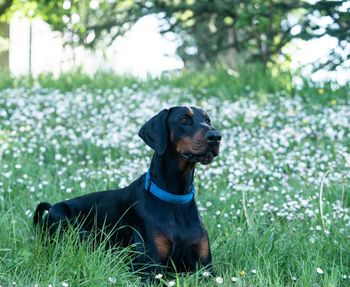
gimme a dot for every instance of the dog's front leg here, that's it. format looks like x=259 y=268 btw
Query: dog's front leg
x=203 y=257
x=152 y=255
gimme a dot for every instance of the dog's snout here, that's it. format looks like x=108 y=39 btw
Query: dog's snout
x=213 y=137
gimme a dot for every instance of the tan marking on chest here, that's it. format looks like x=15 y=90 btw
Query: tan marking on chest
x=163 y=245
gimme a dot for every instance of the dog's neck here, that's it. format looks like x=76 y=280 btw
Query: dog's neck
x=172 y=173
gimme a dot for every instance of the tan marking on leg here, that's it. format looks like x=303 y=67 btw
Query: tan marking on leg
x=203 y=248
x=163 y=245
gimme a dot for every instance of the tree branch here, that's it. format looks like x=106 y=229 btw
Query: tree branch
x=4 y=7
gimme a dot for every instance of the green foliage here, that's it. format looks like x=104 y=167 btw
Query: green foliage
x=6 y=80
x=220 y=31
x=69 y=81
x=77 y=79
x=5 y=5
x=231 y=84
x=331 y=18
x=234 y=32
x=225 y=31
x=223 y=83
x=90 y=23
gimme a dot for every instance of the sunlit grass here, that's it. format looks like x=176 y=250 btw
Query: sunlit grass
x=246 y=81
x=58 y=140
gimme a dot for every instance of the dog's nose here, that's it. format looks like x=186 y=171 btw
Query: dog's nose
x=213 y=137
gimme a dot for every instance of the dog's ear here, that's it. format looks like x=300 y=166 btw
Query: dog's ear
x=155 y=132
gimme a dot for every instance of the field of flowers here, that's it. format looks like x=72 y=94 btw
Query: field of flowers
x=276 y=201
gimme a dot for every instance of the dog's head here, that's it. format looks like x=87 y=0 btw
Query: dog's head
x=186 y=131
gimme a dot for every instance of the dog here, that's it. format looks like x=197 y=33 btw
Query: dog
x=157 y=212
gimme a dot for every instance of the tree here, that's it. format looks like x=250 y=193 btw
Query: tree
x=330 y=18
x=4 y=6
x=91 y=22
x=210 y=31
x=255 y=30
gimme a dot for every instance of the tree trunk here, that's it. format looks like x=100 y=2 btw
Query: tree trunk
x=4 y=46
x=230 y=55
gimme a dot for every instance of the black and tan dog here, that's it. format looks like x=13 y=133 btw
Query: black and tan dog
x=158 y=212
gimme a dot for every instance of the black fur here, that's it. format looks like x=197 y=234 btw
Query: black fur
x=163 y=231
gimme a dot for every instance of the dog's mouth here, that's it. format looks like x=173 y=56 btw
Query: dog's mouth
x=205 y=157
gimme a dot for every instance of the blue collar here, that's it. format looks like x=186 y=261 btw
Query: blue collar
x=166 y=196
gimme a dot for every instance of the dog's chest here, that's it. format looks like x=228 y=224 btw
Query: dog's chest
x=181 y=238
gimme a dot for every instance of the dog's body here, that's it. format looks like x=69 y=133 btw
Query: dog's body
x=163 y=227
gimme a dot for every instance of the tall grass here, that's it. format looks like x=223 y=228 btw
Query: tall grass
x=252 y=246
x=247 y=81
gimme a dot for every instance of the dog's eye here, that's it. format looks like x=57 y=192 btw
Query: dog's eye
x=208 y=121
x=185 y=120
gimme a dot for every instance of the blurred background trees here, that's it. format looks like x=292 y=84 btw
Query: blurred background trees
x=253 y=31
x=209 y=32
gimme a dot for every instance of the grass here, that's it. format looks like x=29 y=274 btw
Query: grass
x=260 y=200
x=225 y=84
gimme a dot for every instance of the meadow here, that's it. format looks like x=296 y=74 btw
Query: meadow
x=275 y=202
